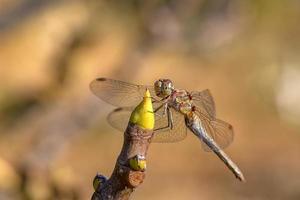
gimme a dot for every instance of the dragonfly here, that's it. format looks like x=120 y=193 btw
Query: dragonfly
x=176 y=112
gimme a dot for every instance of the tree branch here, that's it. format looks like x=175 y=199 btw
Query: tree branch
x=126 y=177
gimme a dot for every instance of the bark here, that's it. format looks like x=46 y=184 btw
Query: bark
x=124 y=180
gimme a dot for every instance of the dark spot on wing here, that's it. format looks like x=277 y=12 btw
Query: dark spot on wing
x=194 y=108
x=101 y=79
x=118 y=109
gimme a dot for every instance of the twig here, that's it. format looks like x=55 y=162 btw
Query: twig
x=125 y=178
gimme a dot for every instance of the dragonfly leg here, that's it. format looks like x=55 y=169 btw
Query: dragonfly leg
x=154 y=100
x=158 y=108
x=170 y=121
x=164 y=106
x=170 y=118
x=166 y=109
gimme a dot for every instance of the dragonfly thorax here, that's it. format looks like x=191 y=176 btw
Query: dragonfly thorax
x=181 y=101
x=163 y=87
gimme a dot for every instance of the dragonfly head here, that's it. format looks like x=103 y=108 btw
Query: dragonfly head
x=163 y=87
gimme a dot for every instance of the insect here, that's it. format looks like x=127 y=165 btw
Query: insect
x=176 y=112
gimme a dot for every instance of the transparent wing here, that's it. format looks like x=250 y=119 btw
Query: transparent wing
x=204 y=101
x=119 y=118
x=221 y=132
x=119 y=93
x=176 y=134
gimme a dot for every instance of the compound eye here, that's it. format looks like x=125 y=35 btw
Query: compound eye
x=159 y=83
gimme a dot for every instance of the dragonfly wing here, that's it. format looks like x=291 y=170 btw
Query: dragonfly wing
x=166 y=135
x=119 y=93
x=204 y=102
x=119 y=118
x=221 y=132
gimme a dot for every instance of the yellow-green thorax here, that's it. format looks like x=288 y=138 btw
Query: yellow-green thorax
x=143 y=114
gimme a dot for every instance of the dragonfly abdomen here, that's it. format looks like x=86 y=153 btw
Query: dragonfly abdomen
x=193 y=122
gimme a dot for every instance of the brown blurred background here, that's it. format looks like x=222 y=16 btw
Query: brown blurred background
x=53 y=132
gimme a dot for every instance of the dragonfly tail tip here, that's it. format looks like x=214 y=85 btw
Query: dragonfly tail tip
x=241 y=178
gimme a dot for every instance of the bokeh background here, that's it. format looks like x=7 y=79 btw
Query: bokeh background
x=53 y=131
